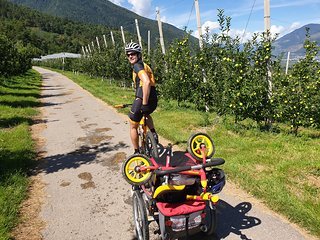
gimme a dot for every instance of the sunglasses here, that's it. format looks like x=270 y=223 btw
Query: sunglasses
x=131 y=54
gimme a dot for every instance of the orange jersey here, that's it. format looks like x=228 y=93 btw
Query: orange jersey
x=139 y=68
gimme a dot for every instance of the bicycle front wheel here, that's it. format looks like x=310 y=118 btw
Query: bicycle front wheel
x=131 y=169
x=195 y=143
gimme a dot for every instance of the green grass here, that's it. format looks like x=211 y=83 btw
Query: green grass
x=18 y=99
x=281 y=169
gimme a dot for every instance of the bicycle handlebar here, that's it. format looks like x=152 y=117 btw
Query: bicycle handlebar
x=122 y=105
x=213 y=162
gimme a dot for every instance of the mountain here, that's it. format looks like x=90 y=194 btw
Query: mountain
x=106 y=13
x=47 y=34
x=293 y=42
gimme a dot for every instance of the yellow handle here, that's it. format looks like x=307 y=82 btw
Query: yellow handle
x=119 y=106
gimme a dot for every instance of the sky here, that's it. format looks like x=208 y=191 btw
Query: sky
x=247 y=16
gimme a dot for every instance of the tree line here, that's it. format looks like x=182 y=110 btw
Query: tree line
x=226 y=76
x=27 y=33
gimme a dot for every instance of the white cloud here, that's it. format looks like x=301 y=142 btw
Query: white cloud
x=244 y=36
x=141 y=7
x=163 y=19
x=281 y=31
x=274 y=29
x=211 y=26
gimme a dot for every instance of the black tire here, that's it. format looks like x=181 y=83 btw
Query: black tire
x=128 y=169
x=194 y=142
x=142 y=145
x=140 y=219
x=211 y=219
x=151 y=148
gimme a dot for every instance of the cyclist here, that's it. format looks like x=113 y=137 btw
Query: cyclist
x=146 y=99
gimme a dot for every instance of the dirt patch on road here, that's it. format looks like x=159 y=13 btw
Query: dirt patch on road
x=94 y=139
x=88 y=177
x=114 y=160
x=85 y=176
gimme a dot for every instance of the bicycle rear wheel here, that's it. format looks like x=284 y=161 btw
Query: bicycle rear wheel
x=211 y=219
x=131 y=169
x=151 y=146
x=195 y=143
x=140 y=218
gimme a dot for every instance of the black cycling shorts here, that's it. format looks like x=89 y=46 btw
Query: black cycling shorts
x=135 y=113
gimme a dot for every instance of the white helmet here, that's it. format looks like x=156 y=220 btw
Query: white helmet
x=133 y=47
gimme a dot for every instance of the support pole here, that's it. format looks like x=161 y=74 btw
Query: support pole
x=112 y=39
x=196 y=4
x=123 y=38
x=160 y=31
x=105 y=41
x=266 y=15
x=98 y=44
x=149 y=43
x=92 y=46
x=287 y=65
x=138 y=32
x=267 y=31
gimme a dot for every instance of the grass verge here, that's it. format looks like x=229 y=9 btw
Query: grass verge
x=280 y=169
x=18 y=99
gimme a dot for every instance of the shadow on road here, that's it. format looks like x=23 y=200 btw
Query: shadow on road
x=234 y=219
x=83 y=155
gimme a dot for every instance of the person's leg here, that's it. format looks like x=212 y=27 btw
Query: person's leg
x=149 y=122
x=134 y=136
x=135 y=116
x=152 y=105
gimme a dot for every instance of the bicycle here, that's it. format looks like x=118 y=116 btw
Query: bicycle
x=147 y=142
x=181 y=199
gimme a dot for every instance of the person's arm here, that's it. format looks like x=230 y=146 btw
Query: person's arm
x=146 y=86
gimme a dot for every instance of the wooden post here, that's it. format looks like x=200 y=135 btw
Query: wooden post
x=148 y=42
x=92 y=46
x=267 y=31
x=105 y=41
x=112 y=38
x=84 y=53
x=63 y=61
x=123 y=38
x=89 y=48
x=287 y=65
x=98 y=44
x=138 y=32
x=160 y=31
x=266 y=15
x=196 y=2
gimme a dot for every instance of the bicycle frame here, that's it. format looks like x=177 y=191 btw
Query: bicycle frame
x=142 y=129
x=142 y=132
x=195 y=170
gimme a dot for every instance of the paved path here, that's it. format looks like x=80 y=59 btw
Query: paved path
x=86 y=196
